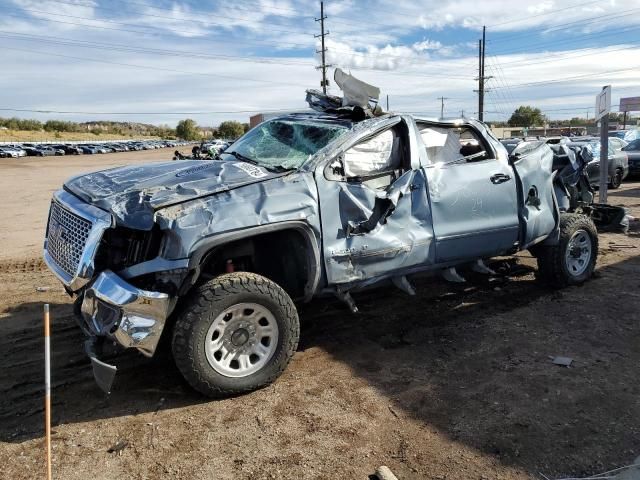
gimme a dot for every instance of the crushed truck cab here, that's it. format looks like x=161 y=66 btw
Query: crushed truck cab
x=216 y=253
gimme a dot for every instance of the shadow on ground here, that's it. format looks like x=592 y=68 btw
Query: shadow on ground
x=471 y=360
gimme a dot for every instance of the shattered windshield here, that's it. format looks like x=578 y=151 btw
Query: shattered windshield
x=285 y=144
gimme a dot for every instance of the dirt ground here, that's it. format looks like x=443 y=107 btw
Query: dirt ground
x=455 y=383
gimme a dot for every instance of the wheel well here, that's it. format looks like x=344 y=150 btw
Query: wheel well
x=283 y=256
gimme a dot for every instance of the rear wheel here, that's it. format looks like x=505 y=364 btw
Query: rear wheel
x=573 y=260
x=616 y=180
x=237 y=334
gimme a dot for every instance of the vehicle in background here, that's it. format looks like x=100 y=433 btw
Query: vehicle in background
x=48 y=151
x=68 y=149
x=37 y=152
x=511 y=143
x=43 y=149
x=626 y=135
x=106 y=148
x=12 y=151
x=559 y=140
x=633 y=153
x=88 y=149
x=618 y=162
x=617 y=143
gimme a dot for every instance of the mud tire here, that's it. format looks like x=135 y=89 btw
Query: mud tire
x=552 y=263
x=210 y=300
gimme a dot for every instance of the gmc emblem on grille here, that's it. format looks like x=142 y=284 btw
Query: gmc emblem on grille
x=57 y=232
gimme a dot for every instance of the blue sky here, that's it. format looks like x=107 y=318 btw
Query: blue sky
x=160 y=61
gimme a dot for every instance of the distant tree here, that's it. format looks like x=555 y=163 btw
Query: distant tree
x=187 y=130
x=526 y=116
x=246 y=127
x=230 y=129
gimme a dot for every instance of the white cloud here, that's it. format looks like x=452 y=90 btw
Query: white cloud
x=413 y=72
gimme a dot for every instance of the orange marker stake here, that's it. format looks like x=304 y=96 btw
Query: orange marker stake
x=47 y=389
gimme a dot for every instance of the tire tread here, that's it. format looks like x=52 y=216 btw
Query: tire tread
x=550 y=258
x=202 y=302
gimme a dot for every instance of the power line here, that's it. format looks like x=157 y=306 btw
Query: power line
x=164 y=30
x=565 y=56
x=121 y=47
x=182 y=31
x=524 y=18
x=157 y=68
x=560 y=80
x=562 y=26
x=183 y=53
x=186 y=19
x=258 y=110
x=562 y=42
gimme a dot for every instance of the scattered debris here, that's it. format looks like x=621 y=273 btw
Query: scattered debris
x=616 y=246
x=562 y=361
x=395 y=414
x=610 y=218
x=384 y=473
x=43 y=289
x=118 y=447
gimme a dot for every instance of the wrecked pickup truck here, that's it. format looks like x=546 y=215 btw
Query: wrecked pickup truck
x=214 y=254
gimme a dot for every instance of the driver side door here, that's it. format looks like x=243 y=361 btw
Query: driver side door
x=374 y=209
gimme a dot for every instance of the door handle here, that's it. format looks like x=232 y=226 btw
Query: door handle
x=499 y=178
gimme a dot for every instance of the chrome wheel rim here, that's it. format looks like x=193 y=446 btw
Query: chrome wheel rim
x=578 y=254
x=241 y=340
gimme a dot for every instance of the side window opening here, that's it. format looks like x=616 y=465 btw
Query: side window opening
x=375 y=162
x=454 y=145
x=374 y=165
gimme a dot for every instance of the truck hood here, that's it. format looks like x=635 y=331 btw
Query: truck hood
x=134 y=193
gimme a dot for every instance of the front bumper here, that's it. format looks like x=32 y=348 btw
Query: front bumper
x=115 y=309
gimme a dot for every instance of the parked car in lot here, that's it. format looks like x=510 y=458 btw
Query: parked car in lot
x=301 y=206
x=559 y=140
x=626 y=135
x=39 y=151
x=88 y=149
x=618 y=161
x=11 y=151
x=68 y=149
x=617 y=143
x=633 y=153
x=511 y=143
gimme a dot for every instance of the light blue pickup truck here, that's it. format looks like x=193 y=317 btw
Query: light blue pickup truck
x=215 y=254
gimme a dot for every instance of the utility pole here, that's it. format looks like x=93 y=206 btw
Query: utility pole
x=442 y=99
x=480 y=83
x=324 y=83
x=482 y=78
x=387 y=103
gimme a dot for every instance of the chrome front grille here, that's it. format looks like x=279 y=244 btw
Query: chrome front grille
x=66 y=238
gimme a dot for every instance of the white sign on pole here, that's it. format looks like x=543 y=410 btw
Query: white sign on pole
x=630 y=104
x=603 y=102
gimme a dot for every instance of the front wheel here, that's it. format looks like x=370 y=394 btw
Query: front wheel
x=237 y=333
x=573 y=260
